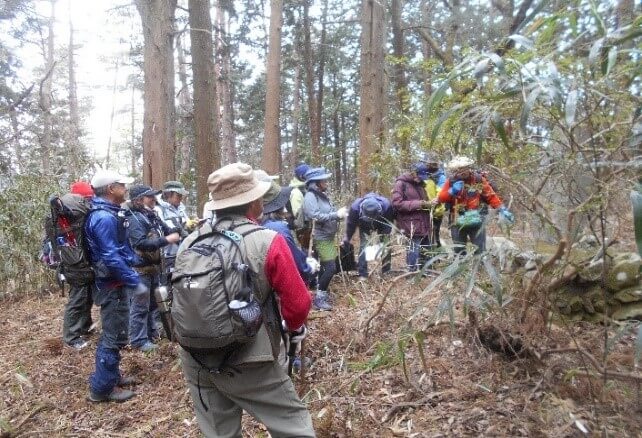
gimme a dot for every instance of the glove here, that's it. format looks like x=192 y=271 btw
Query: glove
x=506 y=215
x=313 y=264
x=342 y=213
x=297 y=336
x=190 y=224
x=456 y=188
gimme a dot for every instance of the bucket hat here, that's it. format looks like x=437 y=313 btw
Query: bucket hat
x=235 y=184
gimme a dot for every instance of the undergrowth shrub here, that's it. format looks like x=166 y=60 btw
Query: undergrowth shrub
x=23 y=207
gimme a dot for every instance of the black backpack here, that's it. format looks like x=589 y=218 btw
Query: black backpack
x=68 y=241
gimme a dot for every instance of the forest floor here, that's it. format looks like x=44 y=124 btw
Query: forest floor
x=362 y=382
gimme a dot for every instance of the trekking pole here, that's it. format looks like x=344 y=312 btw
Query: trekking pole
x=291 y=354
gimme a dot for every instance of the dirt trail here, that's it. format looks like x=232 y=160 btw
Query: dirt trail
x=355 y=387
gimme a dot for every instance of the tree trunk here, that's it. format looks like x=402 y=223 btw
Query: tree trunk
x=401 y=88
x=228 y=138
x=371 y=133
x=208 y=156
x=133 y=156
x=45 y=94
x=114 y=91
x=185 y=108
x=296 y=115
x=17 y=152
x=74 y=118
x=159 y=126
x=315 y=134
x=271 y=156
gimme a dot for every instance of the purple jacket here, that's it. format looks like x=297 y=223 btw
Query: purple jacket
x=407 y=199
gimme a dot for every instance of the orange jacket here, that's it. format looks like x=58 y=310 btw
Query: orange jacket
x=476 y=189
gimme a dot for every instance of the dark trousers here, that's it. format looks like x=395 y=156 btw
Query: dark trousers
x=77 y=318
x=142 y=314
x=476 y=235
x=436 y=227
x=114 y=316
x=417 y=252
x=328 y=269
x=384 y=239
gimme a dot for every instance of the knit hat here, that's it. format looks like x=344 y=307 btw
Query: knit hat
x=82 y=188
x=235 y=184
x=421 y=169
x=140 y=190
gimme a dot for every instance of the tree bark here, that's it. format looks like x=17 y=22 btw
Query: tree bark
x=271 y=155
x=159 y=126
x=371 y=129
x=114 y=91
x=224 y=90
x=74 y=118
x=132 y=149
x=401 y=88
x=296 y=114
x=208 y=155
x=315 y=134
x=45 y=100
x=185 y=108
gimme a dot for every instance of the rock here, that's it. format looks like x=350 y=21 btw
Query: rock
x=628 y=311
x=630 y=295
x=592 y=271
x=624 y=272
x=505 y=251
x=588 y=241
x=528 y=260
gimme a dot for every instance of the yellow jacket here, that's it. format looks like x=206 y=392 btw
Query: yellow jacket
x=432 y=191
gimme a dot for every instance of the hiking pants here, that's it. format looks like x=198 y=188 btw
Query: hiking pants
x=77 y=318
x=416 y=252
x=263 y=390
x=142 y=326
x=386 y=257
x=114 y=315
x=477 y=236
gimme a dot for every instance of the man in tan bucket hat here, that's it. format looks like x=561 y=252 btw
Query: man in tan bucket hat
x=252 y=379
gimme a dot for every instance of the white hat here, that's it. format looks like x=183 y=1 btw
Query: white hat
x=459 y=163
x=104 y=177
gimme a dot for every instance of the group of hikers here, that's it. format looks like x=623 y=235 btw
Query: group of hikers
x=241 y=276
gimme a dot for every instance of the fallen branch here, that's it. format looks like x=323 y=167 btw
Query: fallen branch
x=383 y=300
x=615 y=375
x=415 y=404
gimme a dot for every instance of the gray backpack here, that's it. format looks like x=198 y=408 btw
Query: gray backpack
x=214 y=306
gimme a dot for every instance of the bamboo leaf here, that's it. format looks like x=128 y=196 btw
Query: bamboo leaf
x=570 y=108
x=436 y=97
x=598 y=18
x=441 y=120
x=609 y=63
x=481 y=135
x=522 y=41
x=596 y=51
x=528 y=106
x=498 y=125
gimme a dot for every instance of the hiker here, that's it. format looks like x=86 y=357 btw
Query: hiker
x=147 y=235
x=112 y=259
x=373 y=215
x=434 y=178
x=77 y=320
x=171 y=210
x=301 y=228
x=224 y=382
x=465 y=190
x=412 y=207
x=208 y=209
x=275 y=218
x=318 y=208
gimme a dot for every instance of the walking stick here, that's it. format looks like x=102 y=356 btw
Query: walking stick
x=302 y=351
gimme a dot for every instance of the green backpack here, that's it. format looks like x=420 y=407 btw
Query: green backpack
x=214 y=306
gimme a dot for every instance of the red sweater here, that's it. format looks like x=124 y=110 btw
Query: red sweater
x=284 y=277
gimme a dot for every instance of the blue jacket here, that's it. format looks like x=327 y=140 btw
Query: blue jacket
x=299 y=256
x=381 y=224
x=107 y=241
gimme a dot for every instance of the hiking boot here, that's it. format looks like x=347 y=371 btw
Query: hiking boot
x=321 y=301
x=78 y=344
x=117 y=395
x=127 y=381
x=147 y=347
